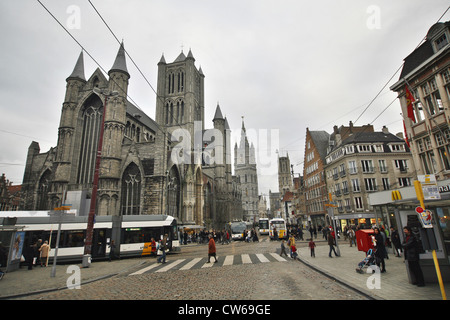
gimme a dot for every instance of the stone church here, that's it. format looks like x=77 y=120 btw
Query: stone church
x=170 y=165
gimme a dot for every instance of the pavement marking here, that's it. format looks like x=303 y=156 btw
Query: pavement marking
x=228 y=260
x=246 y=258
x=277 y=256
x=209 y=265
x=190 y=264
x=170 y=266
x=262 y=257
x=144 y=269
x=194 y=263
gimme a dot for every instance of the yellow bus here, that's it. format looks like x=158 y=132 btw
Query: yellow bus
x=277 y=225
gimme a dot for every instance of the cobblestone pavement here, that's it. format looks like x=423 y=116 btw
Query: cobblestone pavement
x=137 y=279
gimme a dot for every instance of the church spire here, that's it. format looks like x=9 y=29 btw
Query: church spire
x=78 y=71
x=218 y=115
x=120 y=63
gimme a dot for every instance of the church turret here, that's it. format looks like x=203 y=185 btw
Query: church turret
x=114 y=130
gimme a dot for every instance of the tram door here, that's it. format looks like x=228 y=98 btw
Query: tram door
x=99 y=243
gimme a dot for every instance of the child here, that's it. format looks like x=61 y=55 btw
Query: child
x=294 y=252
x=283 y=249
x=312 y=246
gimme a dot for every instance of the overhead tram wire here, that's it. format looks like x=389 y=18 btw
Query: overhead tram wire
x=401 y=66
x=103 y=69
x=148 y=82
x=82 y=47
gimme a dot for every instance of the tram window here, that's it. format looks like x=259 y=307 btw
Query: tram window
x=150 y=233
x=133 y=235
x=74 y=238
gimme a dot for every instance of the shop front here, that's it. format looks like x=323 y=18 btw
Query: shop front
x=401 y=207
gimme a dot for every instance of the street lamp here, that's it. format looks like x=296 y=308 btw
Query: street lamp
x=90 y=226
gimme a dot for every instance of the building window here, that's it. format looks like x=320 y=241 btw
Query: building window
x=379 y=148
x=444 y=155
x=352 y=167
x=402 y=165
x=367 y=166
x=131 y=190
x=370 y=184
x=92 y=119
x=358 y=203
x=383 y=167
x=364 y=148
x=441 y=42
x=355 y=185
x=386 y=185
x=397 y=147
x=404 y=182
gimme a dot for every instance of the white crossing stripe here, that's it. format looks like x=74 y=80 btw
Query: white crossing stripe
x=145 y=269
x=277 y=256
x=170 y=266
x=228 y=261
x=210 y=264
x=262 y=257
x=190 y=264
x=246 y=258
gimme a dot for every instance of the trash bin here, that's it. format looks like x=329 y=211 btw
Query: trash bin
x=86 y=263
x=364 y=239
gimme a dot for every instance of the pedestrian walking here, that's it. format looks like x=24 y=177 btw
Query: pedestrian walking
x=380 y=252
x=311 y=246
x=411 y=250
x=163 y=248
x=44 y=251
x=283 y=249
x=351 y=236
x=153 y=246
x=395 y=239
x=3 y=258
x=291 y=243
x=294 y=252
x=211 y=249
x=112 y=248
x=331 y=242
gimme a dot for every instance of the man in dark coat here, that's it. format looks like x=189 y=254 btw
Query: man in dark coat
x=380 y=252
x=411 y=249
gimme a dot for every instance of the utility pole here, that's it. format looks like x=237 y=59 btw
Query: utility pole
x=90 y=227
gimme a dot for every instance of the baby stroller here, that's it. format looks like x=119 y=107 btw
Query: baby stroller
x=369 y=260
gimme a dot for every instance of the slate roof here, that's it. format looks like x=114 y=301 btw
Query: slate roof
x=321 y=141
x=78 y=71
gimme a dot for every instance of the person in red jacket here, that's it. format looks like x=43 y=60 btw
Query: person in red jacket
x=211 y=249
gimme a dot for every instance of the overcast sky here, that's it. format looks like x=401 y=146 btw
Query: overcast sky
x=284 y=65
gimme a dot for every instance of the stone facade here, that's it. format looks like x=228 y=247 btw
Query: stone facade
x=245 y=169
x=139 y=172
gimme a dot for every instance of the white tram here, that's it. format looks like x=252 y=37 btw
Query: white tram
x=134 y=232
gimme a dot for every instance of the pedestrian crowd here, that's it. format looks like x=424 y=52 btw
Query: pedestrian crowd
x=202 y=236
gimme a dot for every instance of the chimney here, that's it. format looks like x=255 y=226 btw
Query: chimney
x=385 y=130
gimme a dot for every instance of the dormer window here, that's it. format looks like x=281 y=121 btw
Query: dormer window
x=441 y=42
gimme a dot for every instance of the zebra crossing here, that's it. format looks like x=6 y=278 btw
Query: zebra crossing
x=201 y=263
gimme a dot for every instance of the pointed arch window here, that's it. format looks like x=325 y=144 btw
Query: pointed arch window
x=131 y=190
x=43 y=190
x=91 y=120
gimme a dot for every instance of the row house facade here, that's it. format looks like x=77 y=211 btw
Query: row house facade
x=361 y=161
x=315 y=188
x=426 y=74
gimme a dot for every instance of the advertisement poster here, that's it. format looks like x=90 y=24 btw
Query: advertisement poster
x=18 y=245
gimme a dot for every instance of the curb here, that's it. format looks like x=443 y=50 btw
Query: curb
x=341 y=282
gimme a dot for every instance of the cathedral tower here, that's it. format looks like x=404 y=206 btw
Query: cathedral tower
x=180 y=94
